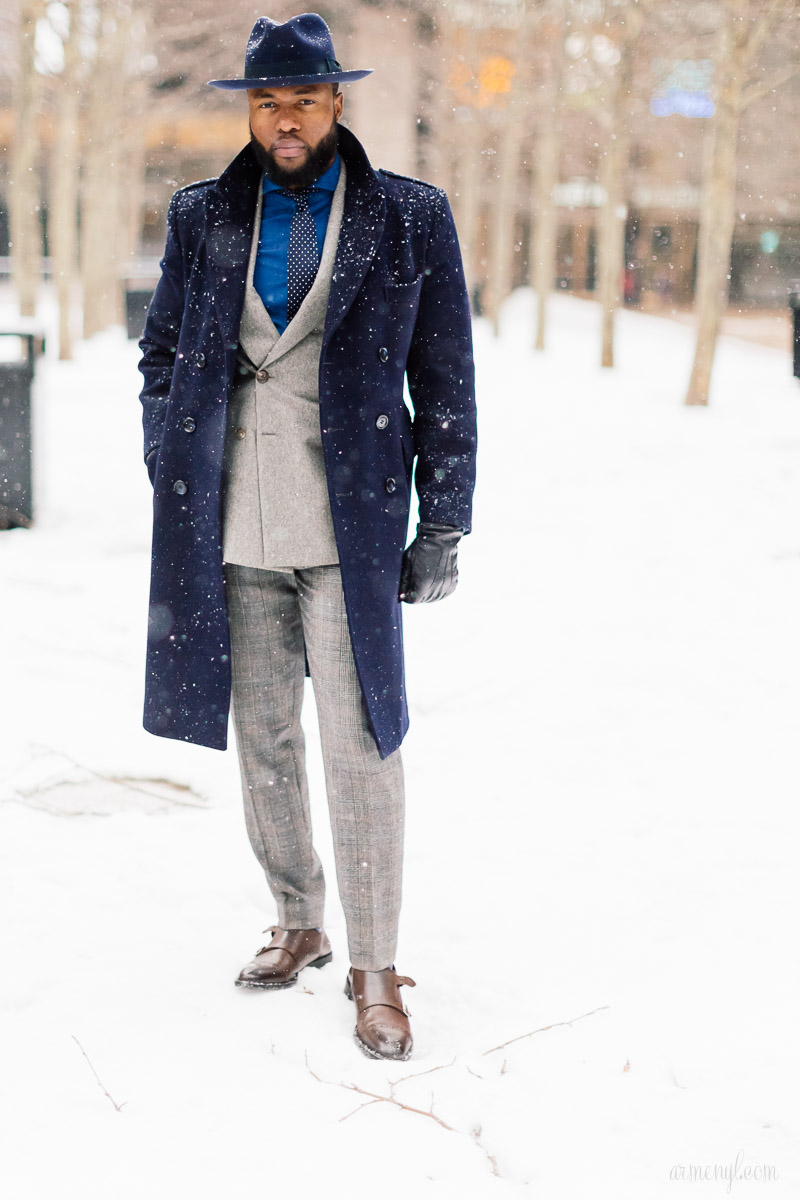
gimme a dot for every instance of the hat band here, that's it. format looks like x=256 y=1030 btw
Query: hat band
x=271 y=70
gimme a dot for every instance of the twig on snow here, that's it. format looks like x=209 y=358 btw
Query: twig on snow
x=544 y=1029
x=476 y=1137
x=374 y=1097
x=118 y=1107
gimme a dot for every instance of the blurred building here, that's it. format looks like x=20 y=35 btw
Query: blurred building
x=405 y=113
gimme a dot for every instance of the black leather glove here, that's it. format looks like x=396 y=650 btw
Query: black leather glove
x=429 y=570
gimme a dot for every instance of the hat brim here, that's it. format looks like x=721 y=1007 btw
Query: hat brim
x=237 y=85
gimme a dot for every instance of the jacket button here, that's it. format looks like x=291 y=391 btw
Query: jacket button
x=200 y=359
x=180 y=487
x=383 y=354
x=382 y=421
x=390 y=485
x=262 y=376
x=241 y=433
x=189 y=424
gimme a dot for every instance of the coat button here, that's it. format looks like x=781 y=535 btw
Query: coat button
x=180 y=487
x=200 y=359
x=382 y=421
x=383 y=354
x=262 y=376
x=241 y=433
x=390 y=485
x=189 y=424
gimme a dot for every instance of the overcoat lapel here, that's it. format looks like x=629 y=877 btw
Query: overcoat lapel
x=230 y=208
x=230 y=211
x=361 y=232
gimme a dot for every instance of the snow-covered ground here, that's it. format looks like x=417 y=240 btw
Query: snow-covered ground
x=602 y=773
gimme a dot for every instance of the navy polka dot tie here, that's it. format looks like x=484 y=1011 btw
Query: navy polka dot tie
x=303 y=254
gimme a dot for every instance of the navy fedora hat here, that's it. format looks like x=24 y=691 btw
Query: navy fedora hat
x=299 y=51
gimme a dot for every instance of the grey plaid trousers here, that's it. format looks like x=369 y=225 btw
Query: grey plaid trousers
x=274 y=616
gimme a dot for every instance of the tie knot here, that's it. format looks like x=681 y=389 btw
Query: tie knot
x=299 y=195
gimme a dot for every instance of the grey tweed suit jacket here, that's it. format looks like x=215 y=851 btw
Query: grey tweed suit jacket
x=276 y=511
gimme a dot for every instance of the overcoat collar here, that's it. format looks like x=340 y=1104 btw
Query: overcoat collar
x=230 y=209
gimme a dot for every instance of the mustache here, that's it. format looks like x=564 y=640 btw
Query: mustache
x=317 y=159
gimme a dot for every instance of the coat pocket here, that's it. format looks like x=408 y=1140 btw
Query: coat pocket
x=403 y=291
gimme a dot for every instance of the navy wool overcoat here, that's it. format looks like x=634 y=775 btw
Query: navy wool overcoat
x=398 y=308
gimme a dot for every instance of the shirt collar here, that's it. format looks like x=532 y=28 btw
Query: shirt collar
x=327 y=180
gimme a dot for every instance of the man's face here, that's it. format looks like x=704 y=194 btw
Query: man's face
x=293 y=131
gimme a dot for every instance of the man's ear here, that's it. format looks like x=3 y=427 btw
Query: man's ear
x=338 y=102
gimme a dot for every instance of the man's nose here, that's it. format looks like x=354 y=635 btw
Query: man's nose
x=287 y=121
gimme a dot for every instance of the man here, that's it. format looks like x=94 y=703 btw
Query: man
x=281 y=453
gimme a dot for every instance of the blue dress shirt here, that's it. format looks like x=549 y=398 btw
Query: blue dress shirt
x=271 y=269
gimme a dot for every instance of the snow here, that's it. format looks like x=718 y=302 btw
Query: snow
x=601 y=832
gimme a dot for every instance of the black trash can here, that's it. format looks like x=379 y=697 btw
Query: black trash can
x=794 y=303
x=137 y=302
x=16 y=379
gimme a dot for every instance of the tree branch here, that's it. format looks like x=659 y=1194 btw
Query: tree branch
x=544 y=1029
x=118 y=1107
x=763 y=26
x=755 y=91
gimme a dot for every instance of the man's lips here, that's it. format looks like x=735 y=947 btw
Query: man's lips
x=288 y=149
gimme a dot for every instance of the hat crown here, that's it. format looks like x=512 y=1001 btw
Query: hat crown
x=306 y=37
x=297 y=52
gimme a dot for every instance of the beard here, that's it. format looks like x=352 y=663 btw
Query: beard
x=318 y=160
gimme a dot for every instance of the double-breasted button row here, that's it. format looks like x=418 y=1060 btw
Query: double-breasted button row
x=189 y=424
x=200 y=359
x=390 y=484
x=263 y=375
x=241 y=433
x=382 y=421
x=180 y=487
x=383 y=354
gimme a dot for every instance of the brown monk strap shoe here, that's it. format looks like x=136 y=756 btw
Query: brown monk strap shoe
x=382 y=1029
x=278 y=964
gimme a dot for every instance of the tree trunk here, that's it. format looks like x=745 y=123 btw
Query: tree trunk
x=504 y=212
x=64 y=202
x=544 y=215
x=718 y=209
x=467 y=162
x=101 y=225
x=716 y=235
x=24 y=197
x=468 y=201
x=611 y=225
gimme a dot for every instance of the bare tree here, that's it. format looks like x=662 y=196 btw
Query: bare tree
x=101 y=198
x=461 y=51
x=64 y=179
x=513 y=118
x=503 y=205
x=544 y=216
x=26 y=231
x=628 y=20
x=745 y=28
